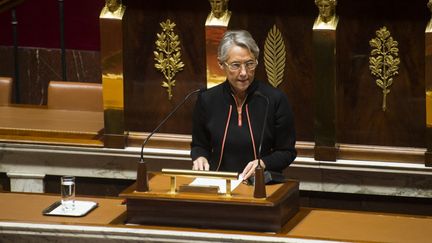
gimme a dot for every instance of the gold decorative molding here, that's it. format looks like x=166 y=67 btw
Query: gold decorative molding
x=168 y=55
x=274 y=56
x=383 y=61
x=219 y=14
x=429 y=25
x=327 y=18
x=113 y=9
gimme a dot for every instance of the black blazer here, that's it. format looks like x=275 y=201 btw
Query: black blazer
x=210 y=117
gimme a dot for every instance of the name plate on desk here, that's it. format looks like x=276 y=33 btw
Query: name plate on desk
x=240 y=211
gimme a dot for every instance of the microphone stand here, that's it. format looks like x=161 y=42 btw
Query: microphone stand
x=142 y=178
x=259 y=185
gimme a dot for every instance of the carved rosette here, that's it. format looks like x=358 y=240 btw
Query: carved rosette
x=168 y=55
x=383 y=61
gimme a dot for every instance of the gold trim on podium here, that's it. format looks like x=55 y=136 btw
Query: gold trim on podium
x=227 y=176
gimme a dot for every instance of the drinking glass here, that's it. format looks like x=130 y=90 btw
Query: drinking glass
x=68 y=192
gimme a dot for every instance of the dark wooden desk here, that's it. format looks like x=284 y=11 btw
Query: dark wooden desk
x=50 y=126
x=241 y=211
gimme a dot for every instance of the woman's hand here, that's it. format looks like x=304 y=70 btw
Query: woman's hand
x=201 y=163
x=249 y=170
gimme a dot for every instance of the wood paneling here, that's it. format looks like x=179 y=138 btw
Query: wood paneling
x=146 y=101
x=38 y=66
x=360 y=119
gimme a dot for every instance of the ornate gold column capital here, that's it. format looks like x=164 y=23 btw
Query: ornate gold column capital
x=327 y=18
x=219 y=15
x=113 y=9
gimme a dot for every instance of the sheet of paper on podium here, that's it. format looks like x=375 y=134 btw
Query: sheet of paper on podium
x=221 y=183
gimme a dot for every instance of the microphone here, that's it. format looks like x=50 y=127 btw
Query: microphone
x=142 y=179
x=270 y=177
x=259 y=181
x=264 y=123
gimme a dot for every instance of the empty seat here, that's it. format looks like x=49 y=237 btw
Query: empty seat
x=5 y=90
x=75 y=96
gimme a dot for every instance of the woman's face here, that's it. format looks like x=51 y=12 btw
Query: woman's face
x=239 y=79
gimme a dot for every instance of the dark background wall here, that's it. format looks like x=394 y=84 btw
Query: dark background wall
x=38 y=40
x=359 y=121
x=39 y=24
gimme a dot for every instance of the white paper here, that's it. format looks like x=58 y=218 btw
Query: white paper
x=221 y=183
x=81 y=208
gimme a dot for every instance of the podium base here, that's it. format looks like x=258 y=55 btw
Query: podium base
x=241 y=211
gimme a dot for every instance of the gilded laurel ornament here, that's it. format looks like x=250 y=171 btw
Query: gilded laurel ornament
x=383 y=61
x=274 y=56
x=168 y=55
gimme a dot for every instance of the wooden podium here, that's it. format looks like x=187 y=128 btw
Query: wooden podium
x=240 y=211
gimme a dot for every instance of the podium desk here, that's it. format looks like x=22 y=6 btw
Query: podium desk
x=39 y=124
x=240 y=211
